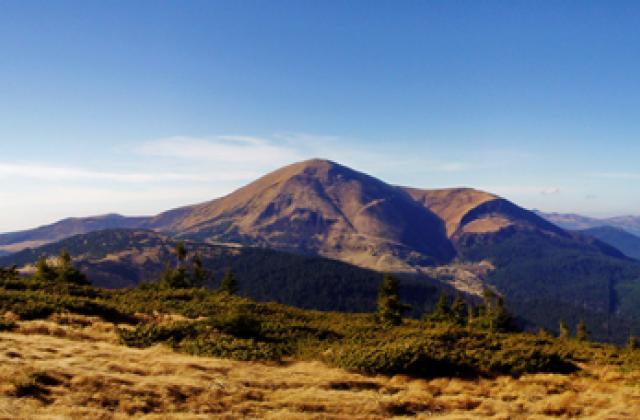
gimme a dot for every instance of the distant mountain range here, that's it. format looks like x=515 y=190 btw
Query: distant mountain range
x=460 y=238
x=571 y=221
x=622 y=233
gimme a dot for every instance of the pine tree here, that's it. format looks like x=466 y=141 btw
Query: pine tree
x=200 y=276
x=44 y=272
x=229 y=284
x=390 y=309
x=502 y=319
x=67 y=273
x=181 y=253
x=564 y=330
x=632 y=342
x=459 y=311
x=581 y=331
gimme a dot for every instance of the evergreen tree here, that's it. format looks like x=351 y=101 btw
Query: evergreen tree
x=390 y=309
x=459 y=311
x=181 y=253
x=200 y=276
x=67 y=273
x=44 y=272
x=632 y=342
x=502 y=319
x=581 y=331
x=229 y=283
x=564 y=330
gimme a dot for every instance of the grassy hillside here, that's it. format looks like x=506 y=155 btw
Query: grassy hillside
x=71 y=366
x=222 y=325
x=62 y=351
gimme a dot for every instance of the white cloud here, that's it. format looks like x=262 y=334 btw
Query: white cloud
x=63 y=173
x=222 y=149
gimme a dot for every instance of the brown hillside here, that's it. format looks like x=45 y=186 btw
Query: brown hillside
x=451 y=204
x=318 y=206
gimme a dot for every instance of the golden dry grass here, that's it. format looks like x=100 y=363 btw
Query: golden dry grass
x=72 y=367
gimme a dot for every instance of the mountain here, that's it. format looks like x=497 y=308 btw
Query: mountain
x=322 y=208
x=572 y=221
x=464 y=238
x=621 y=239
x=545 y=272
x=17 y=241
x=126 y=257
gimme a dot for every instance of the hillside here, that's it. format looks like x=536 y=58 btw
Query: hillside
x=123 y=258
x=193 y=354
x=619 y=238
x=545 y=272
x=322 y=208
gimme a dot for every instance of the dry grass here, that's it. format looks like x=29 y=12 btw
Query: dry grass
x=72 y=367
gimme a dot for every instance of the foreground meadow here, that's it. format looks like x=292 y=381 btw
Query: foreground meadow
x=73 y=367
x=70 y=350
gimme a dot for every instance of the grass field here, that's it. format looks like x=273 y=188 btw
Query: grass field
x=73 y=367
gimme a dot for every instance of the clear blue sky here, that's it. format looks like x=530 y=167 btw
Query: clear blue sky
x=139 y=106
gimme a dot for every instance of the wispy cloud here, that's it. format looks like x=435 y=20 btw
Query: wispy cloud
x=223 y=149
x=65 y=173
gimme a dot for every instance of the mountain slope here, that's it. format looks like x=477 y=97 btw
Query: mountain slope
x=544 y=272
x=126 y=257
x=323 y=208
x=619 y=238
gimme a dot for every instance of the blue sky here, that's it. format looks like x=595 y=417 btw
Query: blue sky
x=137 y=107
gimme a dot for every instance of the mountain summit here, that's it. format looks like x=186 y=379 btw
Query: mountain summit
x=321 y=207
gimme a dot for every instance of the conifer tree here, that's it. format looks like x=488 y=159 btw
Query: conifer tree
x=44 y=272
x=200 y=276
x=564 y=330
x=67 y=273
x=390 y=308
x=581 y=331
x=459 y=311
x=632 y=342
x=229 y=283
x=181 y=253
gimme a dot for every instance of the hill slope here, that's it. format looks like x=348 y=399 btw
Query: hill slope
x=322 y=208
x=544 y=272
x=121 y=258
